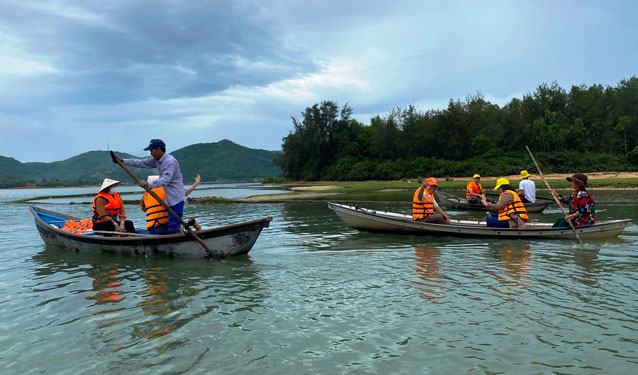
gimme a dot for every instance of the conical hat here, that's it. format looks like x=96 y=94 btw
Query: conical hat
x=108 y=182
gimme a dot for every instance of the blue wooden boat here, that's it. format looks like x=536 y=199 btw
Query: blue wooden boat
x=225 y=241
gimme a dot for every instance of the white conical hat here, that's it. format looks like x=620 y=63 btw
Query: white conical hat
x=108 y=182
x=152 y=178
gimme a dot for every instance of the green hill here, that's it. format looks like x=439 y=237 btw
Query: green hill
x=223 y=160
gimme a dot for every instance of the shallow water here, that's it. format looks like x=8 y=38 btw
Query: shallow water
x=314 y=296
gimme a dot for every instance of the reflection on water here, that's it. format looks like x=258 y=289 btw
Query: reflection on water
x=516 y=257
x=427 y=268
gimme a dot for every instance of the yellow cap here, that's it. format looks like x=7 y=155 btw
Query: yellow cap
x=524 y=174
x=476 y=176
x=501 y=181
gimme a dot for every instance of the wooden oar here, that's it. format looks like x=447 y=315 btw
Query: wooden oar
x=555 y=198
x=161 y=201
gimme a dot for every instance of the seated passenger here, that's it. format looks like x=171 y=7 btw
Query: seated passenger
x=424 y=205
x=156 y=214
x=474 y=190
x=526 y=188
x=511 y=211
x=108 y=210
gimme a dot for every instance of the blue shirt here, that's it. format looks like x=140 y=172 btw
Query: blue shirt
x=170 y=176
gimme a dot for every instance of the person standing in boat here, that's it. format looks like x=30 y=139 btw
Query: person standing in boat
x=511 y=211
x=108 y=210
x=526 y=188
x=581 y=204
x=424 y=205
x=474 y=190
x=170 y=179
x=156 y=214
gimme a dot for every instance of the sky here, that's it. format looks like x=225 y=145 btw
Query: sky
x=77 y=76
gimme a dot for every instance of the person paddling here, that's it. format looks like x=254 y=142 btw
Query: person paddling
x=582 y=211
x=170 y=179
x=511 y=211
x=424 y=205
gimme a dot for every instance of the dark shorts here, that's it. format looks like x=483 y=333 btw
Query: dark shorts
x=494 y=222
x=173 y=222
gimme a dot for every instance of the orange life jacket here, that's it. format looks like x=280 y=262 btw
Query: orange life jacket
x=78 y=227
x=156 y=214
x=515 y=207
x=113 y=206
x=421 y=209
x=473 y=187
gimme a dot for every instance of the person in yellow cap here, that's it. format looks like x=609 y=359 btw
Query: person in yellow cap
x=424 y=207
x=108 y=209
x=474 y=190
x=526 y=188
x=511 y=211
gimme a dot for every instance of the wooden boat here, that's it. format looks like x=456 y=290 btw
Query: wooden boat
x=230 y=240
x=388 y=222
x=461 y=203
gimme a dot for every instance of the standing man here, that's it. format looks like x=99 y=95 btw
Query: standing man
x=474 y=190
x=526 y=188
x=170 y=179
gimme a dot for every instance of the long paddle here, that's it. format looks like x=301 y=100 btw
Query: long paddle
x=555 y=199
x=161 y=201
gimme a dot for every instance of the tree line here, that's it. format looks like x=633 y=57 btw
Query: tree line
x=587 y=129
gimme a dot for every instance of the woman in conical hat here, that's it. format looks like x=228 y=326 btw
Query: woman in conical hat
x=108 y=209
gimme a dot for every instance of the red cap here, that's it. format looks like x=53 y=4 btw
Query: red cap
x=432 y=181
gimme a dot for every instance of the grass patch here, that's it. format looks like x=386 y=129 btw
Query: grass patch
x=210 y=200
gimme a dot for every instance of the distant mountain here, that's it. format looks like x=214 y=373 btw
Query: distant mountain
x=223 y=160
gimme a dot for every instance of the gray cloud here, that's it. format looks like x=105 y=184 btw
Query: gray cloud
x=75 y=76
x=126 y=50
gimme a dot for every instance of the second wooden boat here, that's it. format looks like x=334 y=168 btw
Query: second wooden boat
x=389 y=222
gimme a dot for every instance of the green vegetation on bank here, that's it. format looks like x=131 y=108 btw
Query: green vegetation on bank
x=223 y=160
x=452 y=184
x=590 y=129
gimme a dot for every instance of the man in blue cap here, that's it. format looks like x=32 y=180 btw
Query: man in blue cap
x=170 y=179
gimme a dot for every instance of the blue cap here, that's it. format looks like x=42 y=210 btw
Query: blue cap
x=155 y=143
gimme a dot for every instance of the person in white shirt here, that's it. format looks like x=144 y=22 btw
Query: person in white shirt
x=526 y=188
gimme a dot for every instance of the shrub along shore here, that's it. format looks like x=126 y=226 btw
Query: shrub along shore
x=402 y=190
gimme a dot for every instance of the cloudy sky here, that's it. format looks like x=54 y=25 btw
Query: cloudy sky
x=82 y=75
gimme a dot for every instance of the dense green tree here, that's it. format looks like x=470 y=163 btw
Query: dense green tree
x=586 y=128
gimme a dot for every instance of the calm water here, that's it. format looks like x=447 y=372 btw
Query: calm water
x=314 y=296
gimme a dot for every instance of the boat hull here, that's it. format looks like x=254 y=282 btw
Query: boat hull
x=226 y=241
x=388 y=222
